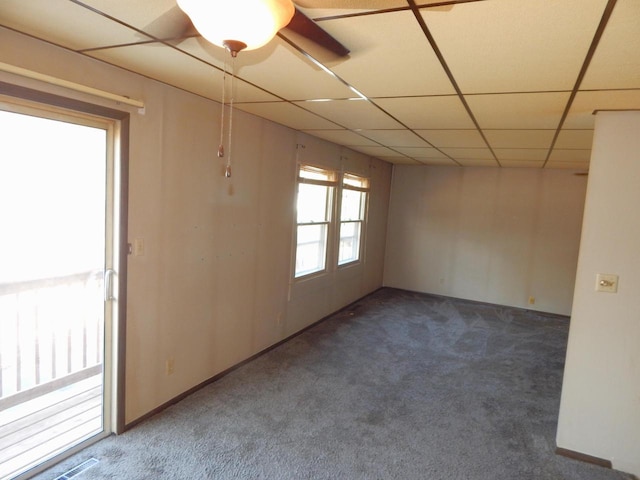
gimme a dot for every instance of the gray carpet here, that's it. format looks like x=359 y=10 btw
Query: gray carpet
x=399 y=386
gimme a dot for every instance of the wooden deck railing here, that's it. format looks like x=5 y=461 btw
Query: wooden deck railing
x=50 y=330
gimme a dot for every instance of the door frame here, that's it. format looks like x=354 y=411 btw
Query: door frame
x=121 y=176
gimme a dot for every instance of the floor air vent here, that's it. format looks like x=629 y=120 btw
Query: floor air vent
x=77 y=470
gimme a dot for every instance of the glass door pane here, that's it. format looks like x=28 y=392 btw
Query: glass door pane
x=53 y=189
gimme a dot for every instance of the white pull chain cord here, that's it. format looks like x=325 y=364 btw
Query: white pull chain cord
x=227 y=172
x=224 y=81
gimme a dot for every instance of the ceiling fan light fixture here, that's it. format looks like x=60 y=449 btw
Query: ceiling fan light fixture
x=250 y=22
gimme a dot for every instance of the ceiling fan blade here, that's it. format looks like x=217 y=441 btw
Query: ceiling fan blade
x=304 y=26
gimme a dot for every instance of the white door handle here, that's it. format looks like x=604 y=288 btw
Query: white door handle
x=108 y=284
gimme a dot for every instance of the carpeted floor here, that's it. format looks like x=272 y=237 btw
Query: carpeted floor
x=399 y=386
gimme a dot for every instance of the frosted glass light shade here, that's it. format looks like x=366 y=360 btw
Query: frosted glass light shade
x=253 y=22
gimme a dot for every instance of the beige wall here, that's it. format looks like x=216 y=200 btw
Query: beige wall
x=213 y=286
x=486 y=234
x=600 y=407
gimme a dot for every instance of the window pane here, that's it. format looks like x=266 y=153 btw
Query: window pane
x=313 y=203
x=352 y=205
x=355 y=181
x=349 y=250
x=311 y=249
x=315 y=174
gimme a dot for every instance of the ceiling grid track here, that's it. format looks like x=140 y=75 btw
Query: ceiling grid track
x=416 y=12
x=365 y=98
x=606 y=15
x=450 y=3
x=153 y=39
x=464 y=83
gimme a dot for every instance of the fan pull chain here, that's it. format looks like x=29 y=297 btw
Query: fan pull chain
x=227 y=172
x=224 y=81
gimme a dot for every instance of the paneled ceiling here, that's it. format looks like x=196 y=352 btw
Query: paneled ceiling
x=497 y=83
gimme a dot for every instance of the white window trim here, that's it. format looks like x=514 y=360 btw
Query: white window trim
x=362 y=222
x=329 y=222
x=334 y=222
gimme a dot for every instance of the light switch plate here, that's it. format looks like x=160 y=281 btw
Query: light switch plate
x=138 y=247
x=606 y=282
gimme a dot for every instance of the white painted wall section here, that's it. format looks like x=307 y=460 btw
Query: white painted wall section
x=487 y=234
x=600 y=407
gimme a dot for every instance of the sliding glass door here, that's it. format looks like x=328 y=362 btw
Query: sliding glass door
x=56 y=282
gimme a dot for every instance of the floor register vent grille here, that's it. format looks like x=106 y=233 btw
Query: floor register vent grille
x=77 y=470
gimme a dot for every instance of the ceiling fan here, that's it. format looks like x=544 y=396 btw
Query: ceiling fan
x=233 y=24
x=238 y=25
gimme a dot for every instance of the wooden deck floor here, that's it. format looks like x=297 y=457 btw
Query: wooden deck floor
x=34 y=431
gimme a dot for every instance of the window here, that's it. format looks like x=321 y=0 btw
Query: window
x=326 y=228
x=352 y=215
x=314 y=206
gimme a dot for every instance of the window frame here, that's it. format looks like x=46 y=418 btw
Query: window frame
x=361 y=221
x=337 y=182
x=332 y=185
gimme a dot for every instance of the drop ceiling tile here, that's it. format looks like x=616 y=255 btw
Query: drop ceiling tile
x=522 y=163
x=395 y=138
x=435 y=5
x=427 y=113
x=519 y=138
x=581 y=166
x=453 y=138
x=352 y=114
x=209 y=53
x=331 y=8
x=65 y=23
x=289 y=115
x=538 y=154
x=468 y=162
x=160 y=18
x=280 y=69
x=581 y=112
x=446 y=162
x=276 y=67
x=572 y=139
x=563 y=155
x=399 y=160
x=377 y=151
x=421 y=152
x=616 y=62
x=378 y=67
x=342 y=137
x=245 y=92
x=518 y=110
x=515 y=46
x=474 y=153
x=168 y=65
